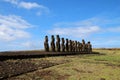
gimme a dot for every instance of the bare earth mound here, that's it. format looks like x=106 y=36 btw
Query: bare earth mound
x=11 y=68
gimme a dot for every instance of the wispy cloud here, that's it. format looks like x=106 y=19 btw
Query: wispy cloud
x=114 y=29
x=29 y=6
x=87 y=27
x=79 y=29
x=13 y=27
x=24 y=45
x=31 y=44
x=12 y=1
x=75 y=31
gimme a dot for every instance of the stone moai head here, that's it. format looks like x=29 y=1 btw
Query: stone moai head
x=46 y=45
x=83 y=41
x=46 y=38
x=66 y=40
x=57 y=36
x=63 y=40
x=52 y=37
x=75 y=42
x=72 y=41
x=88 y=42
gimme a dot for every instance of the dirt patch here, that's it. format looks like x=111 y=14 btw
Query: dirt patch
x=9 y=69
x=112 y=65
x=43 y=75
x=77 y=70
x=46 y=63
x=81 y=71
x=102 y=79
x=51 y=74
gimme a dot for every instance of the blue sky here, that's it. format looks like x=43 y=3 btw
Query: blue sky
x=24 y=23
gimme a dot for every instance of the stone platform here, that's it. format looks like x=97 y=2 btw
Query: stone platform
x=35 y=54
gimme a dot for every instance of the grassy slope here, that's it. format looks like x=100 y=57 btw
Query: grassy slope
x=105 y=66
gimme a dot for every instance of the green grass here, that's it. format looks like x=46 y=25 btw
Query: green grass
x=103 y=66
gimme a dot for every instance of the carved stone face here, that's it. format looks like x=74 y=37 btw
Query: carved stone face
x=57 y=36
x=52 y=36
x=66 y=40
x=88 y=42
x=46 y=38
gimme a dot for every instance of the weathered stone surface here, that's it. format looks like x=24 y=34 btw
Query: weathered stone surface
x=73 y=46
x=70 y=45
x=66 y=45
x=63 y=45
x=57 y=43
x=89 y=47
x=83 y=45
x=76 y=46
x=79 y=47
x=46 y=45
x=52 y=43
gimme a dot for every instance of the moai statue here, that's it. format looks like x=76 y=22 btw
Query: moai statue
x=83 y=41
x=58 y=43
x=70 y=45
x=52 y=43
x=76 y=46
x=46 y=45
x=83 y=45
x=63 y=45
x=66 y=45
x=86 y=47
x=73 y=46
x=80 y=47
x=89 y=47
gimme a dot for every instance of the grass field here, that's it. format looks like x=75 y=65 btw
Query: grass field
x=103 y=66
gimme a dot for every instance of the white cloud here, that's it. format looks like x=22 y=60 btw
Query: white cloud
x=25 y=45
x=31 y=44
x=114 y=29
x=76 y=30
x=86 y=27
x=13 y=27
x=29 y=6
x=14 y=21
x=12 y=1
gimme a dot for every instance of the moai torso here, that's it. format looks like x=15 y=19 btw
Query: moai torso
x=52 y=43
x=46 y=45
x=73 y=46
x=66 y=45
x=70 y=45
x=86 y=47
x=80 y=47
x=58 y=43
x=83 y=45
x=63 y=45
x=76 y=46
x=89 y=47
